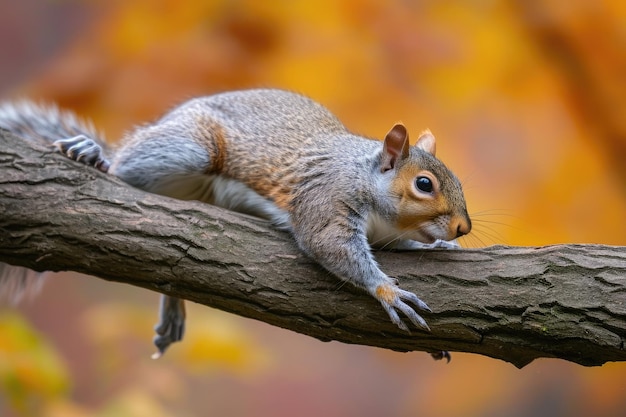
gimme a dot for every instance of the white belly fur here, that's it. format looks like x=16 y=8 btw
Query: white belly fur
x=223 y=192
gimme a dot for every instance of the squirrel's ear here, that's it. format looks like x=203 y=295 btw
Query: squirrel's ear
x=395 y=147
x=426 y=142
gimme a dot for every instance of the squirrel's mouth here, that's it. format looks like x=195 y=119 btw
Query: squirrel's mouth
x=429 y=232
x=424 y=237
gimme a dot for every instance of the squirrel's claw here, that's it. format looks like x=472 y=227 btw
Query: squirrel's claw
x=171 y=325
x=441 y=354
x=391 y=298
x=83 y=149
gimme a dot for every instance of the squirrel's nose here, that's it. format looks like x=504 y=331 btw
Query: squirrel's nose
x=463 y=226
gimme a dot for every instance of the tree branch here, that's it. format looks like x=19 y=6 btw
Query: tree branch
x=515 y=304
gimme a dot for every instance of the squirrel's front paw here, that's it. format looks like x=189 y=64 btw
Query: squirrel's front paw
x=83 y=149
x=392 y=298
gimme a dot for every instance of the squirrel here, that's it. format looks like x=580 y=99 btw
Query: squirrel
x=283 y=157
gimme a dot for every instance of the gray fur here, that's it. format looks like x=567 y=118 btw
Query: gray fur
x=17 y=282
x=45 y=123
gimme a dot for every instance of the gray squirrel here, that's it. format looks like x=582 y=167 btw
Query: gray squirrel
x=283 y=157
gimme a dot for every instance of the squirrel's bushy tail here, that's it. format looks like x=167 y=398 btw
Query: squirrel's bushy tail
x=45 y=123
x=41 y=124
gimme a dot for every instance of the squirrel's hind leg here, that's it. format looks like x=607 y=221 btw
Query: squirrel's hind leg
x=171 y=325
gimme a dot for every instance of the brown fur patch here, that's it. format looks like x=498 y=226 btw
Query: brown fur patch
x=210 y=133
x=220 y=144
x=281 y=200
x=409 y=219
x=235 y=158
x=386 y=293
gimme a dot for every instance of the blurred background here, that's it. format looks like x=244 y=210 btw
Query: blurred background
x=527 y=100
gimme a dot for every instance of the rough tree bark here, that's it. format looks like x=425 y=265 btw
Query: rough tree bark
x=511 y=303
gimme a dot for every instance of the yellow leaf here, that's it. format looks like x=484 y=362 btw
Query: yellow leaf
x=217 y=340
x=31 y=371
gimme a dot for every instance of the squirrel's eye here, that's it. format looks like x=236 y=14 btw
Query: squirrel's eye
x=424 y=184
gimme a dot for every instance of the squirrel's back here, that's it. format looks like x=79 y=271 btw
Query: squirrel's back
x=260 y=111
x=273 y=141
x=265 y=127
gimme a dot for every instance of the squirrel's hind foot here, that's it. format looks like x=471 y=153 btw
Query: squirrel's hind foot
x=171 y=325
x=83 y=149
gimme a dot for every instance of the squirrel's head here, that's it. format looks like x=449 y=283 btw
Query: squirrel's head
x=431 y=202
